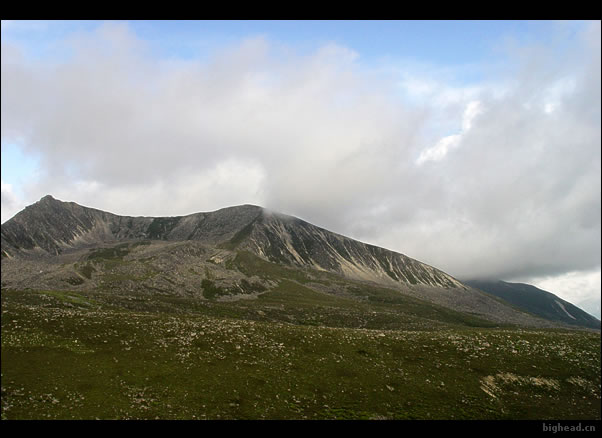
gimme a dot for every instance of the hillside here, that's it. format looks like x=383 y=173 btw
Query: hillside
x=537 y=302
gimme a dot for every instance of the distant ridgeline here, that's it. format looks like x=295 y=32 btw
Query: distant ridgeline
x=537 y=302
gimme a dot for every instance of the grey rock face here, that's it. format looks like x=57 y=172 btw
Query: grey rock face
x=51 y=226
x=285 y=239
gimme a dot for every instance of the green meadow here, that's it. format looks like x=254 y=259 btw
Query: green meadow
x=291 y=353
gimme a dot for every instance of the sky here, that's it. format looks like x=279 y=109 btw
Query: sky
x=473 y=146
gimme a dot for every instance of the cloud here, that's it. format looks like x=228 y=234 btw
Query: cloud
x=439 y=151
x=229 y=183
x=11 y=205
x=518 y=193
x=513 y=191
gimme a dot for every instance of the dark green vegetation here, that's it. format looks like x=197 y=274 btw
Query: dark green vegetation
x=239 y=237
x=537 y=302
x=161 y=226
x=87 y=271
x=291 y=353
x=116 y=252
x=362 y=306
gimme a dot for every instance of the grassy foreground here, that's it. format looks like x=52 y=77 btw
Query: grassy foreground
x=69 y=355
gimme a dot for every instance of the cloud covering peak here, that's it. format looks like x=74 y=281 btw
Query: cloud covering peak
x=499 y=178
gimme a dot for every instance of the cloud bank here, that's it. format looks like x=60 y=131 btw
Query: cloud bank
x=11 y=204
x=510 y=188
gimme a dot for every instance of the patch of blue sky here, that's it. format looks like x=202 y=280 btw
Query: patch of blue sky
x=18 y=168
x=443 y=42
x=44 y=40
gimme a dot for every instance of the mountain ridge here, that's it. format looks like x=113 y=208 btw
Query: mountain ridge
x=537 y=301
x=51 y=226
x=230 y=253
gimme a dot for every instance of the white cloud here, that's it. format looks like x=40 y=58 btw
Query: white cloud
x=229 y=183
x=11 y=204
x=443 y=146
x=554 y=95
x=514 y=191
x=472 y=110
x=425 y=84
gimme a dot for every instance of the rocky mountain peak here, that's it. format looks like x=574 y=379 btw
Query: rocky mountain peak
x=47 y=198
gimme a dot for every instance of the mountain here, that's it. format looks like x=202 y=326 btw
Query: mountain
x=537 y=302
x=51 y=226
x=244 y=313
x=225 y=254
